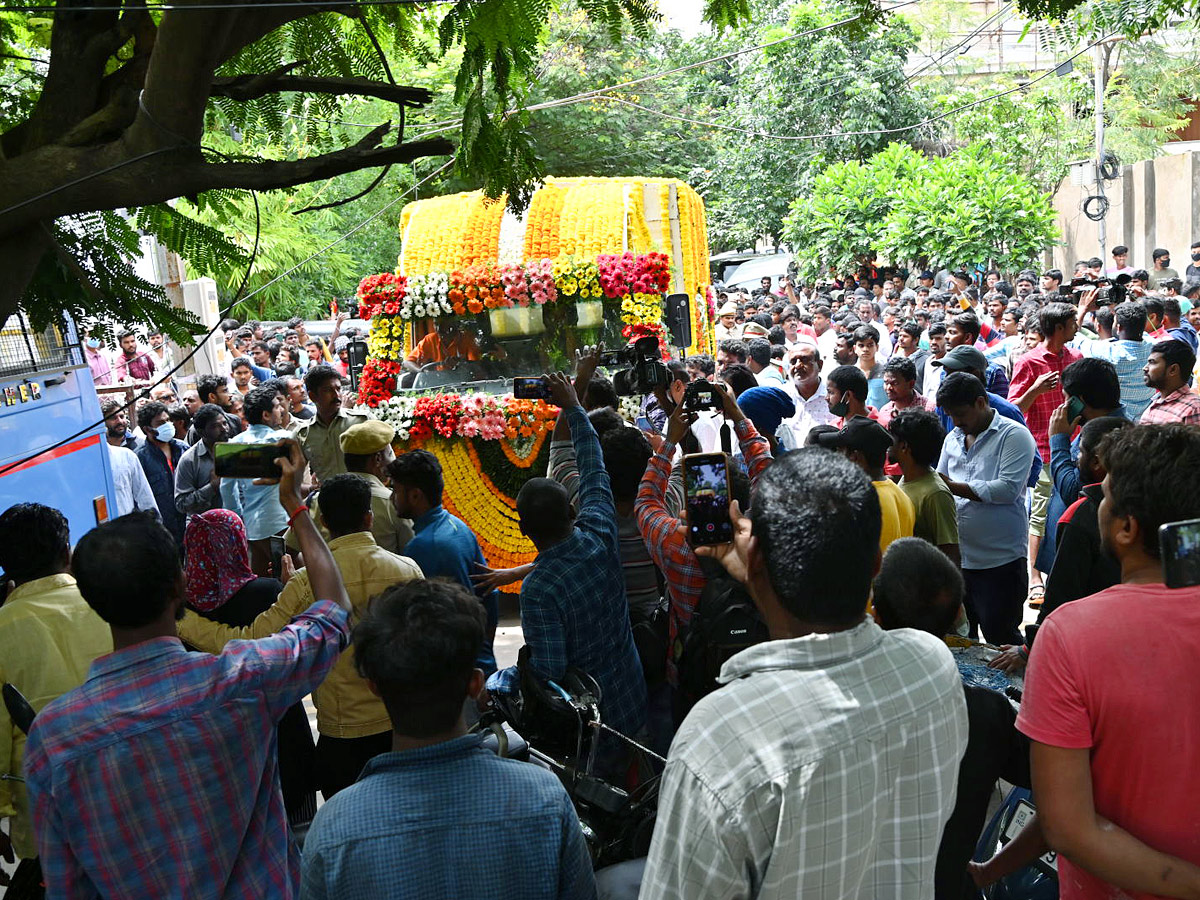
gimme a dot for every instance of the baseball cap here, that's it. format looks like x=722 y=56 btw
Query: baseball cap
x=860 y=433
x=963 y=359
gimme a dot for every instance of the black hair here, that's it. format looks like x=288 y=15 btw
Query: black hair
x=760 y=351
x=739 y=378
x=1176 y=353
x=1122 y=250
x=1104 y=318
x=605 y=418
x=1171 y=308
x=125 y=332
x=866 y=333
x=1094 y=381
x=1153 y=305
x=207 y=387
x=958 y=389
x=816 y=431
x=776 y=336
x=128 y=569
x=918 y=587
x=294 y=321
x=418 y=469
x=544 y=510
x=258 y=403
x=968 y=322
x=600 y=393
x=147 y=412
x=1094 y=431
x=626 y=455
x=735 y=348
x=849 y=379
x=678 y=371
x=261 y=345
x=1139 y=275
x=912 y=329
x=110 y=406
x=230 y=325
x=240 y=362
x=206 y=415
x=417 y=644
x=33 y=541
x=318 y=376
x=817 y=519
x=1055 y=315
x=1056 y=274
x=1153 y=476
x=901 y=367
x=703 y=362
x=922 y=431
x=763 y=319
x=345 y=501
x=936 y=328
x=1159 y=252
x=179 y=413
x=1095 y=262
x=823 y=311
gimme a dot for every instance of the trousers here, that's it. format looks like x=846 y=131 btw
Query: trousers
x=994 y=601
x=340 y=760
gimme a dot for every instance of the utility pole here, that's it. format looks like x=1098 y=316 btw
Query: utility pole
x=1100 y=54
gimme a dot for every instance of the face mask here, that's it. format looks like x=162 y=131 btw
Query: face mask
x=1165 y=261
x=94 y=343
x=1196 y=256
x=840 y=409
x=165 y=432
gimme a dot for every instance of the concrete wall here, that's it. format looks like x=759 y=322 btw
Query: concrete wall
x=1155 y=203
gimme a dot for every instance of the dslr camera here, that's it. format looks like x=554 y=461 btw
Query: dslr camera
x=700 y=395
x=645 y=370
x=1109 y=291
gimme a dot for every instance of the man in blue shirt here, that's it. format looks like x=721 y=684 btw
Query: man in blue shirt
x=258 y=504
x=985 y=462
x=573 y=606
x=159 y=454
x=973 y=362
x=440 y=816
x=442 y=544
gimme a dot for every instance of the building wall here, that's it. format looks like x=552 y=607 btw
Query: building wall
x=1155 y=203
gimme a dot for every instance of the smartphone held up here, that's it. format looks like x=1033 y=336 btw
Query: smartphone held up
x=531 y=387
x=248 y=460
x=706 y=483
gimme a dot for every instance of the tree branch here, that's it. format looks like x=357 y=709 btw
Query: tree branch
x=251 y=87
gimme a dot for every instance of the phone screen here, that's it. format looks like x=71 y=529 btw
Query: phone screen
x=645 y=424
x=706 y=478
x=1179 y=547
x=527 y=387
x=248 y=460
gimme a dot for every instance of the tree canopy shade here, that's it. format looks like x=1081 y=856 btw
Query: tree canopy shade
x=112 y=101
x=972 y=206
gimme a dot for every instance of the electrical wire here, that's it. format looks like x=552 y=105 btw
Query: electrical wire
x=316 y=5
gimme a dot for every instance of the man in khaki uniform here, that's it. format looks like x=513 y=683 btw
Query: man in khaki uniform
x=321 y=435
x=352 y=723
x=367 y=450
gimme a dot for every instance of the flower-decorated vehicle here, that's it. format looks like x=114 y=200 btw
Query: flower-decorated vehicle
x=481 y=296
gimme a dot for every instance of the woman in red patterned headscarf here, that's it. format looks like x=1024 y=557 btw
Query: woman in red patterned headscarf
x=218 y=559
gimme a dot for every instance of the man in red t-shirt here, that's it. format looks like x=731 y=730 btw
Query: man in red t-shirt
x=1036 y=389
x=1112 y=697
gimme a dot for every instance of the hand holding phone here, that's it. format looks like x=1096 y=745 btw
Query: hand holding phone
x=531 y=387
x=706 y=482
x=249 y=460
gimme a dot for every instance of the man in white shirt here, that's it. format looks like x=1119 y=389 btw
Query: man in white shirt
x=807 y=388
x=826 y=766
x=132 y=489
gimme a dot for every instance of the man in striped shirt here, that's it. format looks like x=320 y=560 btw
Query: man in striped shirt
x=159 y=776
x=826 y=765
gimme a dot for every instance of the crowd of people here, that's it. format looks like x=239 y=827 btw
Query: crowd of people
x=906 y=462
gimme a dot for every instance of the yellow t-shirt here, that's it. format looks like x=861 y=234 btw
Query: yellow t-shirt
x=898 y=513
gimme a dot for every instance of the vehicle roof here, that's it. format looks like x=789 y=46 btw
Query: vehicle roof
x=752 y=271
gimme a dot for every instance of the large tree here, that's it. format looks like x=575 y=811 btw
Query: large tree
x=112 y=100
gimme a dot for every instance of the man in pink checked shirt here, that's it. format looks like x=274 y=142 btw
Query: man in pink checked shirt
x=158 y=776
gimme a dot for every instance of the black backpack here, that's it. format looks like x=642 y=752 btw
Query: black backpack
x=725 y=622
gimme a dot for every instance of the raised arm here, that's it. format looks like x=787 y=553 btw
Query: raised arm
x=597 y=511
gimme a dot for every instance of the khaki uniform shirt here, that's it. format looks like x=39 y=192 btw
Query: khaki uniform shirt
x=391 y=532
x=322 y=443
x=346 y=708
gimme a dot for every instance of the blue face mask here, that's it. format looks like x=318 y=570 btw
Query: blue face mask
x=165 y=432
x=94 y=343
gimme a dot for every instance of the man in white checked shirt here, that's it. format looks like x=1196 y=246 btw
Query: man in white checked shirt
x=826 y=765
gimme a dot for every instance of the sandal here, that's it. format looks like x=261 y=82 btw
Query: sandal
x=1036 y=597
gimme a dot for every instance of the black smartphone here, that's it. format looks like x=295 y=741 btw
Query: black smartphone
x=530 y=387
x=278 y=549
x=249 y=460
x=706 y=480
x=1179 y=549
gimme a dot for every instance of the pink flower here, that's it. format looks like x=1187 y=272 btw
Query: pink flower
x=468 y=427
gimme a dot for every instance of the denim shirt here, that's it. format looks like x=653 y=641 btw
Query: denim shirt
x=448 y=820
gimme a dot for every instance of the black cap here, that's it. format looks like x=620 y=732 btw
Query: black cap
x=860 y=433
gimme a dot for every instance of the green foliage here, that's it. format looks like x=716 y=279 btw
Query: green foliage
x=970 y=207
x=840 y=81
